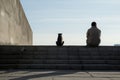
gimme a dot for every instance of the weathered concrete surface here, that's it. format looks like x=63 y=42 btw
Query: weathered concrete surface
x=60 y=58
x=14 y=27
x=57 y=75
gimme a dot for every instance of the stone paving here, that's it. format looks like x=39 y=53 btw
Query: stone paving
x=58 y=75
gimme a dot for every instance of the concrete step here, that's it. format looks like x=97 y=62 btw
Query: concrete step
x=92 y=53
x=61 y=57
x=61 y=66
x=37 y=61
x=66 y=57
x=58 y=49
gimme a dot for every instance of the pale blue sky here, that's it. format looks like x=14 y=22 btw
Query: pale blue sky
x=73 y=18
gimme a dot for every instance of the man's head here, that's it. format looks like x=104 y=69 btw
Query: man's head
x=93 y=24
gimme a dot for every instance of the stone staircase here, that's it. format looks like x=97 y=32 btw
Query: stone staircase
x=60 y=58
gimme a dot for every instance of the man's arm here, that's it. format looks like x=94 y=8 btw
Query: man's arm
x=87 y=33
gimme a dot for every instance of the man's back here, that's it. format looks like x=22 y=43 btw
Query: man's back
x=93 y=36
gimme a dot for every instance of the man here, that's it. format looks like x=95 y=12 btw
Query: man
x=93 y=35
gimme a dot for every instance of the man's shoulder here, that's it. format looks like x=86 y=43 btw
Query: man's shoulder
x=92 y=29
x=98 y=29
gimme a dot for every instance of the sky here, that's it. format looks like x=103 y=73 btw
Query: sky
x=72 y=18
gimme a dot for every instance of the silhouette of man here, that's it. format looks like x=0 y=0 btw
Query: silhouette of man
x=93 y=36
x=59 y=41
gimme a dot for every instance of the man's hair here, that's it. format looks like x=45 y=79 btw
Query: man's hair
x=93 y=24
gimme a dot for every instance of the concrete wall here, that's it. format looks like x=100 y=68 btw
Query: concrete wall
x=14 y=27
